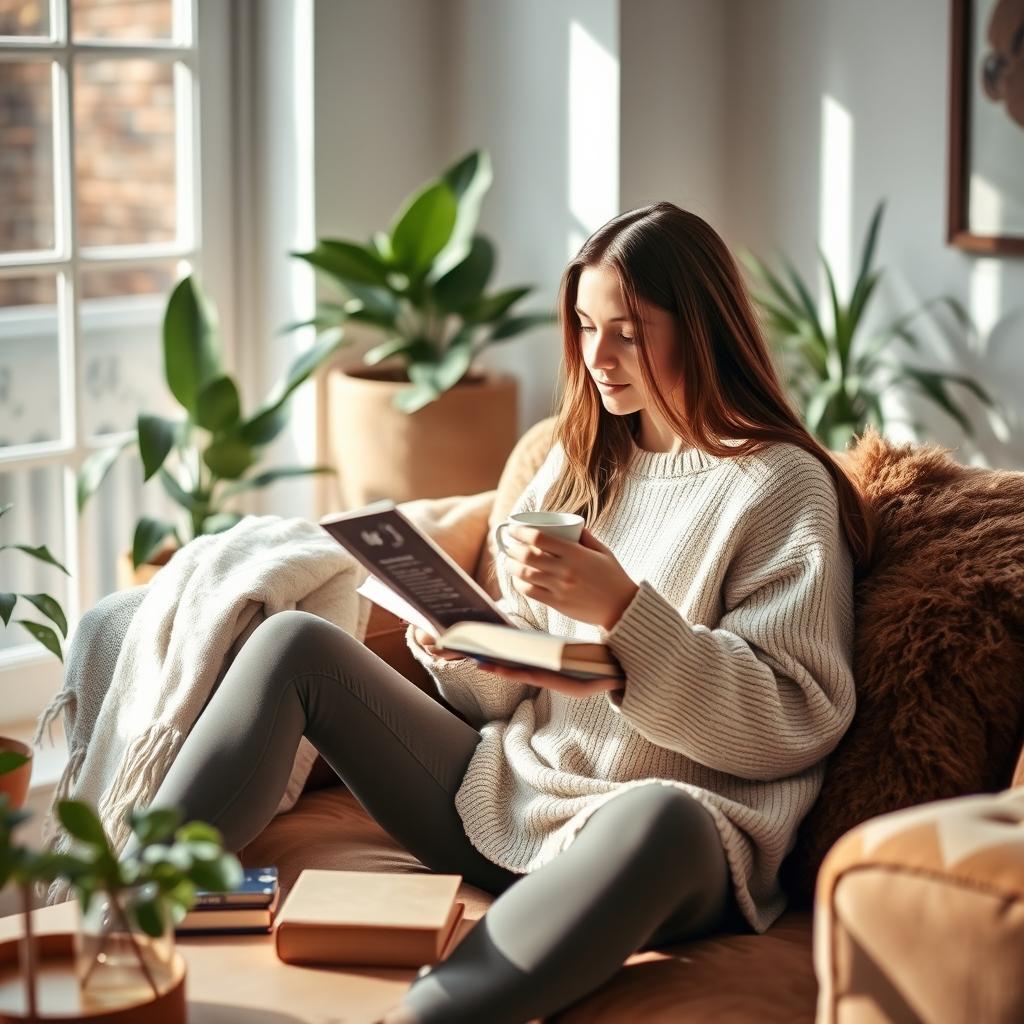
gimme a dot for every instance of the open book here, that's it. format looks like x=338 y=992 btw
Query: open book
x=415 y=579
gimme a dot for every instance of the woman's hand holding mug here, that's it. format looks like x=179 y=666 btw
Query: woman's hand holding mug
x=554 y=559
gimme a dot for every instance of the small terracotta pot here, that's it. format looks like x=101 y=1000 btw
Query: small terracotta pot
x=457 y=444
x=15 y=784
x=129 y=576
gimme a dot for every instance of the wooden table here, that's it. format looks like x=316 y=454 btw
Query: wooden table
x=238 y=978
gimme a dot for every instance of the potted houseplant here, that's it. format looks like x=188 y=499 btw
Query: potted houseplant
x=124 y=945
x=209 y=456
x=838 y=373
x=418 y=418
x=15 y=756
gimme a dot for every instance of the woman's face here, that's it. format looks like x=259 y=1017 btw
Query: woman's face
x=609 y=347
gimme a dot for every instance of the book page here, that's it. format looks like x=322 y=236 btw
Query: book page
x=403 y=558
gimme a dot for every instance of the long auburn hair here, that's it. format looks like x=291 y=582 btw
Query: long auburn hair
x=673 y=259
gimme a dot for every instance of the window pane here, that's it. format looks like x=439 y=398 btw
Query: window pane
x=136 y=20
x=125 y=153
x=26 y=156
x=24 y=18
x=109 y=519
x=35 y=519
x=122 y=314
x=29 y=368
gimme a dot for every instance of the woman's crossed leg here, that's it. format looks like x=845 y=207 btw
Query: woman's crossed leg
x=647 y=867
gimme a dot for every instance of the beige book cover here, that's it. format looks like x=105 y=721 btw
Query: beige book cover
x=367 y=917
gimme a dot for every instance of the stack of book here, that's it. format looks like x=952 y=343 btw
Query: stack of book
x=249 y=908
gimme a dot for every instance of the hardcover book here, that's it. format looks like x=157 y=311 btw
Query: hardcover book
x=368 y=917
x=416 y=580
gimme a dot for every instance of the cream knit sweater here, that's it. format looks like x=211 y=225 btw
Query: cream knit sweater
x=736 y=650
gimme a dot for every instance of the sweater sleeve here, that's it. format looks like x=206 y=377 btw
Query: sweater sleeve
x=768 y=691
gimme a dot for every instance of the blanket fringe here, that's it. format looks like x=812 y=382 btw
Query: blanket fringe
x=62 y=700
x=142 y=769
x=62 y=791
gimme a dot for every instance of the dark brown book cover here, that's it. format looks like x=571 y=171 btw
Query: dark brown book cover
x=367 y=918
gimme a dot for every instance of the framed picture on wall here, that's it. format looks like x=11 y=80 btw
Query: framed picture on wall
x=986 y=127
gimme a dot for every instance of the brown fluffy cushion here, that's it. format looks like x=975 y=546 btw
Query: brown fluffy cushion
x=939 y=646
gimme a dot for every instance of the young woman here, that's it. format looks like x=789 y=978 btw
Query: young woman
x=717 y=565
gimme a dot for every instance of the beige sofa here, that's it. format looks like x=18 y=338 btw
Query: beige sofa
x=918 y=914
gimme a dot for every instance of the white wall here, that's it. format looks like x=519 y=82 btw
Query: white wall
x=887 y=66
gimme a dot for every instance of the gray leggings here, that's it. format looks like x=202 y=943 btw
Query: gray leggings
x=647 y=868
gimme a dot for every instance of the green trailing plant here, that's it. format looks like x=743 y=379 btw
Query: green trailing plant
x=424 y=284
x=171 y=862
x=836 y=371
x=44 y=603
x=205 y=459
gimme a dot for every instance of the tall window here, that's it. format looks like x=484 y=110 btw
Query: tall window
x=100 y=213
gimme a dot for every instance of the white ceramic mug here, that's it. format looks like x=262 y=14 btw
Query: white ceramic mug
x=566 y=525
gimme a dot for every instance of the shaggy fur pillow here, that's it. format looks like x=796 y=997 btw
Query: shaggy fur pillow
x=938 y=650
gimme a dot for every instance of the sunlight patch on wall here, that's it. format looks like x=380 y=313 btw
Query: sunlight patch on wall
x=835 y=195
x=593 y=111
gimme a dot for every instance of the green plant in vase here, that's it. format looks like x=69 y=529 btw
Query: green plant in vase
x=424 y=285
x=837 y=372
x=129 y=905
x=213 y=453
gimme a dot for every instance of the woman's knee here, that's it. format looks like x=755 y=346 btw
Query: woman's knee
x=289 y=643
x=667 y=818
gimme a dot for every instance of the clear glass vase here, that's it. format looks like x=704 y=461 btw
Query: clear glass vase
x=115 y=960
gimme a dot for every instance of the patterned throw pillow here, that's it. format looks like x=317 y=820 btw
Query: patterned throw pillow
x=938 y=650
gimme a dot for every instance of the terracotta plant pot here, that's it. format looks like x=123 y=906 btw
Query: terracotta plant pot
x=457 y=444
x=15 y=784
x=129 y=576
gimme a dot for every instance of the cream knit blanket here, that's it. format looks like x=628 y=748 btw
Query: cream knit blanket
x=191 y=621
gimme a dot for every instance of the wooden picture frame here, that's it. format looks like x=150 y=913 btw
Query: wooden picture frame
x=963 y=230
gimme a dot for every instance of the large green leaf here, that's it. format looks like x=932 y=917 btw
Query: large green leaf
x=156 y=439
x=149 y=533
x=229 y=457
x=932 y=385
x=271 y=418
x=469 y=179
x=51 y=609
x=95 y=468
x=218 y=406
x=843 y=335
x=494 y=307
x=464 y=284
x=868 y=252
x=154 y=824
x=414 y=398
x=347 y=262
x=192 y=353
x=82 y=822
x=807 y=305
x=415 y=348
x=511 y=326
x=424 y=227
x=178 y=493
x=454 y=362
x=7 y=603
x=270 y=475
x=42 y=553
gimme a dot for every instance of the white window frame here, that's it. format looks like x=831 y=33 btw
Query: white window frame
x=29 y=677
